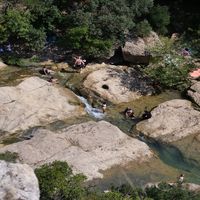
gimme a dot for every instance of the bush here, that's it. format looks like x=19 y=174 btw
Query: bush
x=160 y=18
x=169 y=68
x=167 y=192
x=9 y=156
x=56 y=182
x=143 y=28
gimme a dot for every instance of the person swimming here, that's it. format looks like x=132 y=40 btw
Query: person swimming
x=146 y=114
x=128 y=112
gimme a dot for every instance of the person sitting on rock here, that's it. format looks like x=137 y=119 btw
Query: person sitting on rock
x=129 y=113
x=181 y=179
x=146 y=114
x=79 y=62
x=104 y=106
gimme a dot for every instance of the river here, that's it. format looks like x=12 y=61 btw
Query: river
x=169 y=161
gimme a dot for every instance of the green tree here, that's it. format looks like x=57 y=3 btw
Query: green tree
x=160 y=18
x=143 y=28
x=56 y=182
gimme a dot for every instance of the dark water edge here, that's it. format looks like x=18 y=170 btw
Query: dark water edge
x=169 y=162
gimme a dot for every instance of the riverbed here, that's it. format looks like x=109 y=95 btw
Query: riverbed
x=168 y=162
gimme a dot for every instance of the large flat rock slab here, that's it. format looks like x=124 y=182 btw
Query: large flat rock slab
x=35 y=102
x=171 y=121
x=18 y=181
x=118 y=84
x=87 y=147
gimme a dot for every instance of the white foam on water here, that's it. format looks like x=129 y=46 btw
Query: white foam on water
x=94 y=112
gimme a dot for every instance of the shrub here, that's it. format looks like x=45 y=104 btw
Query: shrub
x=56 y=181
x=9 y=156
x=169 y=68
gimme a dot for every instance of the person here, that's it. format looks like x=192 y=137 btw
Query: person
x=186 y=52
x=53 y=80
x=45 y=71
x=104 y=106
x=146 y=114
x=181 y=179
x=129 y=113
x=79 y=62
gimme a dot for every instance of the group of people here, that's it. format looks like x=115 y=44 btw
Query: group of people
x=129 y=113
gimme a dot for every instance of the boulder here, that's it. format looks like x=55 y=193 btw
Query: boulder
x=87 y=147
x=135 y=50
x=118 y=84
x=18 y=181
x=171 y=121
x=194 y=92
x=35 y=102
x=2 y=65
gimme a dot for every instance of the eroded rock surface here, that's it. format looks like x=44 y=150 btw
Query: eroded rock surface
x=87 y=147
x=135 y=49
x=194 y=92
x=171 y=121
x=18 y=181
x=35 y=102
x=118 y=84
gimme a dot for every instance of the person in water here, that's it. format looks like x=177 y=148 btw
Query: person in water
x=45 y=71
x=146 y=114
x=104 y=107
x=79 y=62
x=128 y=112
x=181 y=179
x=52 y=80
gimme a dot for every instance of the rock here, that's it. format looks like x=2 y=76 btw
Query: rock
x=35 y=102
x=118 y=84
x=2 y=65
x=171 y=121
x=18 y=181
x=87 y=147
x=134 y=51
x=194 y=92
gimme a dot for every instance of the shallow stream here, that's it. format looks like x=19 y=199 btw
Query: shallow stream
x=169 y=161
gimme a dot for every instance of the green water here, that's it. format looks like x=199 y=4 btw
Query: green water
x=169 y=161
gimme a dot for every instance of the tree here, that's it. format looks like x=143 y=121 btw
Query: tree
x=56 y=182
x=160 y=18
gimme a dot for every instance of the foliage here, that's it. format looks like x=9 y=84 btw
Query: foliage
x=169 y=67
x=160 y=18
x=143 y=28
x=167 y=192
x=78 y=38
x=91 y=27
x=9 y=156
x=56 y=181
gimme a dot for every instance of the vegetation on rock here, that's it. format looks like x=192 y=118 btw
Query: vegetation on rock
x=57 y=182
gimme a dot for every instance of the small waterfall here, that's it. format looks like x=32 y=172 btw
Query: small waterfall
x=94 y=112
